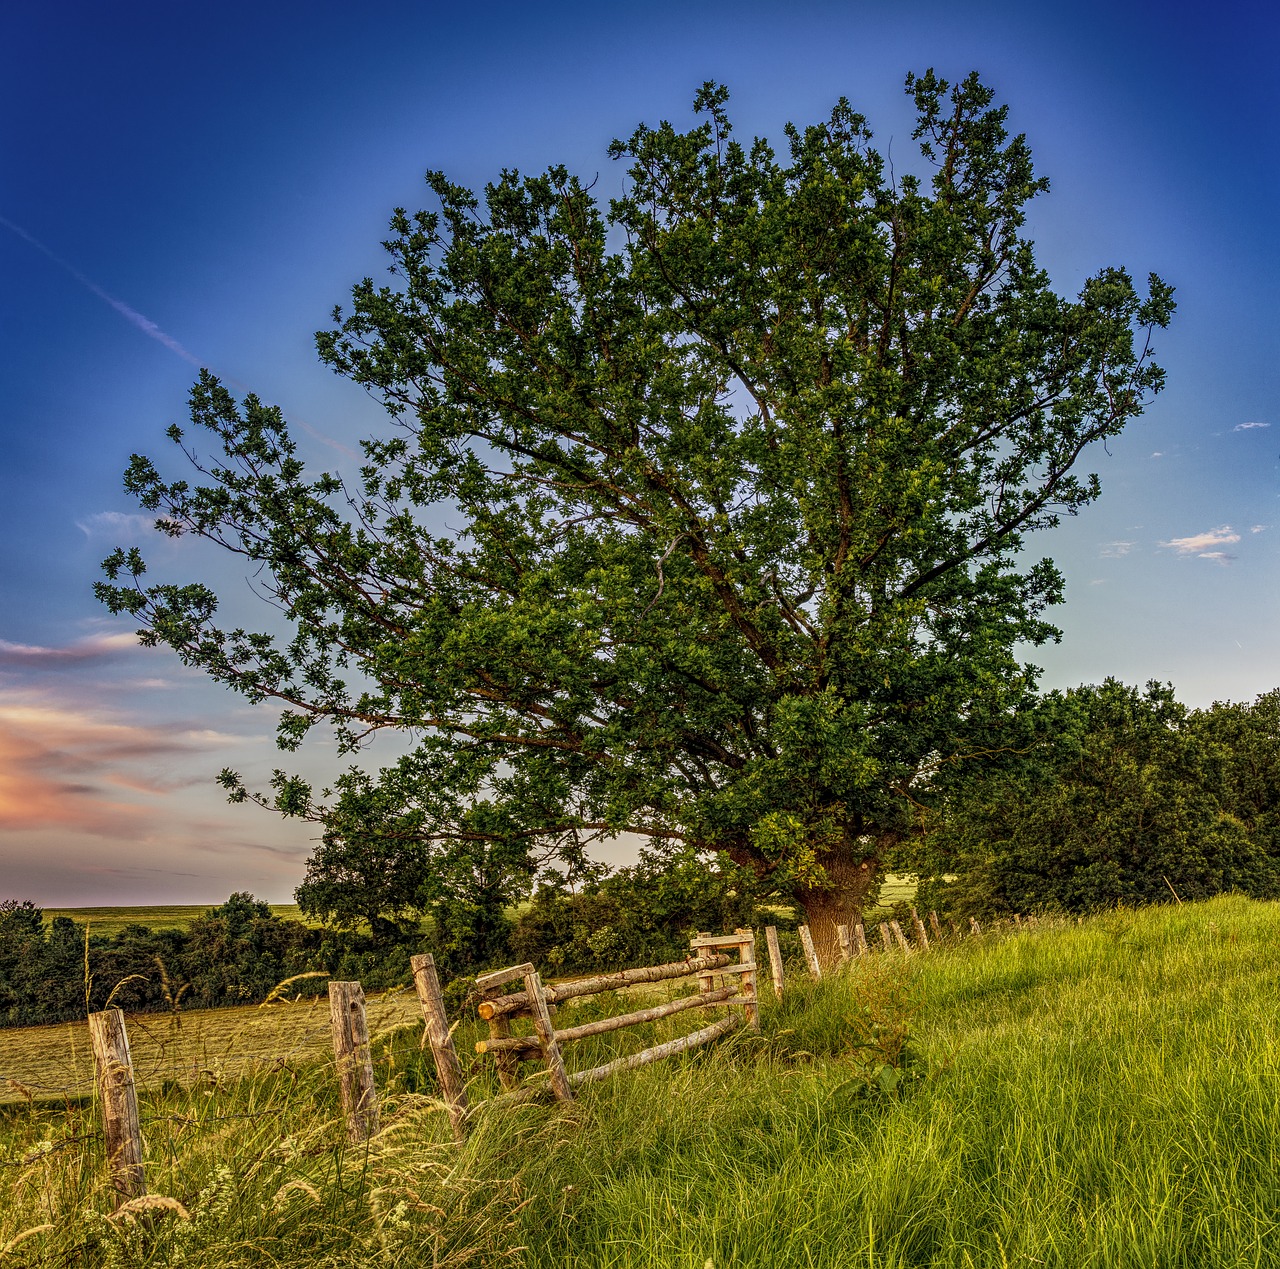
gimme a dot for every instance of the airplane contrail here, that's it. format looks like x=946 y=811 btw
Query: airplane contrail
x=148 y=327
x=144 y=324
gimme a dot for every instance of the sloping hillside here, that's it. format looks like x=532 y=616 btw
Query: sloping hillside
x=1099 y=1095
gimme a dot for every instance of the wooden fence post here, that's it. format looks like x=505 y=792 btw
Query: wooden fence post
x=860 y=939
x=448 y=1069
x=936 y=926
x=354 y=1061
x=842 y=936
x=898 y=934
x=547 y=1035
x=705 y=981
x=974 y=926
x=810 y=952
x=121 y=1127
x=775 y=958
x=918 y=926
x=748 y=981
x=884 y=937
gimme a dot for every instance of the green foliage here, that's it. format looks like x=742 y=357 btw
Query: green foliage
x=1123 y=797
x=234 y=954
x=741 y=466
x=643 y=915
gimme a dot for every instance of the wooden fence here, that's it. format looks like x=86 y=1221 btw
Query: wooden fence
x=709 y=960
x=722 y=981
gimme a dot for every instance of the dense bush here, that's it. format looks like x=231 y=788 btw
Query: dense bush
x=635 y=916
x=1125 y=797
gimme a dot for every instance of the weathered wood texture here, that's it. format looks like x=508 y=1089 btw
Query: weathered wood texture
x=532 y=1092
x=506 y=1056
x=775 y=958
x=749 y=980
x=453 y=1091
x=501 y=977
x=658 y=1052
x=528 y=1043
x=974 y=926
x=810 y=952
x=845 y=941
x=860 y=939
x=935 y=925
x=898 y=934
x=918 y=925
x=354 y=1061
x=547 y=1036
x=121 y=1127
x=518 y=1001
x=885 y=936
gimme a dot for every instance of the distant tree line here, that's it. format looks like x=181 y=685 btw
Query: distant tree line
x=1108 y=795
x=239 y=952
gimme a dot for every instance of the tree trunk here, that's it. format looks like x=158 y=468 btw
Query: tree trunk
x=851 y=878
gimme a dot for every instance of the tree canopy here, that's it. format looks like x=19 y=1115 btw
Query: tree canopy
x=736 y=470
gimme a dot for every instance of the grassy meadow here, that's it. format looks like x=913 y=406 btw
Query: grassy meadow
x=1104 y=1095
x=155 y=917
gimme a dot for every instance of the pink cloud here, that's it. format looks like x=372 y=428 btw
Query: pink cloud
x=95 y=648
x=1205 y=544
x=65 y=768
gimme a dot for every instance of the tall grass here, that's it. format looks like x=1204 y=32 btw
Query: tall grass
x=1105 y=1095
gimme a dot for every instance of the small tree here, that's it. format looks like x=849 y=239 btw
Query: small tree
x=738 y=470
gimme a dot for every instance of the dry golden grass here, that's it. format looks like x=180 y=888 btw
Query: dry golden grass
x=206 y=1044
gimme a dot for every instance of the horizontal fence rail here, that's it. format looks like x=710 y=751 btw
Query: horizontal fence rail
x=709 y=959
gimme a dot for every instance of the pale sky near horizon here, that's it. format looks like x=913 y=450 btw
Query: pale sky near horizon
x=183 y=187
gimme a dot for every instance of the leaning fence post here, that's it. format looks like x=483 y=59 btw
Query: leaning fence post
x=810 y=952
x=936 y=926
x=354 y=1061
x=860 y=938
x=974 y=926
x=918 y=926
x=842 y=934
x=898 y=934
x=547 y=1035
x=884 y=936
x=121 y=1127
x=775 y=958
x=448 y=1069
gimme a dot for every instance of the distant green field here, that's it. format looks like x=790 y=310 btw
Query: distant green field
x=177 y=916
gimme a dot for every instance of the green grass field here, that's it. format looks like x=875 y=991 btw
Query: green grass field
x=177 y=916
x=1104 y=1096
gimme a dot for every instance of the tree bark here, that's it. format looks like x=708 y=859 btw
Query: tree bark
x=851 y=877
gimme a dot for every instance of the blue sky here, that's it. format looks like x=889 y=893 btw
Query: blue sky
x=183 y=186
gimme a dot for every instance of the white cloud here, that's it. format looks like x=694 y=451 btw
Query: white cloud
x=1218 y=557
x=1203 y=544
x=1248 y=427
x=116 y=524
x=1158 y=454
x=1258 y=528
x=1115 y=550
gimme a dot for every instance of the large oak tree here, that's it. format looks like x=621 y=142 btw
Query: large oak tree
x=737 y=469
